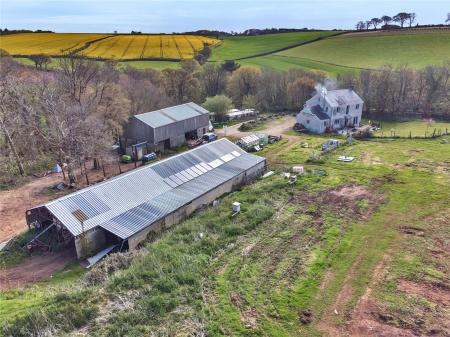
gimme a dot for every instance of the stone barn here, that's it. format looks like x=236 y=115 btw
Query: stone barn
x=122 y=211
x=166 y=128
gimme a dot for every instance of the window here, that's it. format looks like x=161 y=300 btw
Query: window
x=326 y=109
x=338 y=109
x=355 y=120
x=348 y=109
x=325 y=123
x=307 y=121
x=357 y=106
x=336 y=121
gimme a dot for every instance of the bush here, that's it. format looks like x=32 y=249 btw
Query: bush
x=117 y=261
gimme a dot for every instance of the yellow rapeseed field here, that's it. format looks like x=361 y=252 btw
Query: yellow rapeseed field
x=45 y=43
x=148 y=46
x=104 y=46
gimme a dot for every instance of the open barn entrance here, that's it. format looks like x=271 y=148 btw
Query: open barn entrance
x=50 y=234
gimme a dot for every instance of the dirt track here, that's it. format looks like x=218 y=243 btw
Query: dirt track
x=35 y=268
x=15 y=202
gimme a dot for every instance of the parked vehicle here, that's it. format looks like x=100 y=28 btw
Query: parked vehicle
x=330 y=145
x=209 y=137
x=147 y=158
x=126 y=158
x=274 y=139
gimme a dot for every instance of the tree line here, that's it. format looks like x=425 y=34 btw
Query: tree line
x=74 y=113
x=401 y=18
x=401 y=92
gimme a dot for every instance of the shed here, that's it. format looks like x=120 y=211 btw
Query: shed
x=167 y=128
x=125 y=209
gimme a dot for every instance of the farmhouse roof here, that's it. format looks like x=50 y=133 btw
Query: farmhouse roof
x=172 y=114
x=126 y=204
x=318 y=111
x=341 y=97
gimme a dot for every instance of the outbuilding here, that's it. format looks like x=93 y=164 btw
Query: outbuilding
x=124 y=210
x=166 y=128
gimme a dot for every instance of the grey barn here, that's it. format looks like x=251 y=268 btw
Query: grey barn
x=123 y=211
x=168 y=127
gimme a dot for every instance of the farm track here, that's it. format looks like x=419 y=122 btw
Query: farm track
x=128 y=47
x=144 y=48
x=177 y=47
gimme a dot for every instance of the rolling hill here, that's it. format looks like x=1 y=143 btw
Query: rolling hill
x=415 y=48
x=239 y=47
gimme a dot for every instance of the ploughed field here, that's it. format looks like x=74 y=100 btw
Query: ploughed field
x=105 y=46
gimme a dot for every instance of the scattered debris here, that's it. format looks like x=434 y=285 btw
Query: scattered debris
x=268 y=174
x=305 y=145
x=59 y=186
x=412 y=230
x=330 y=145
x=298 y=169
x=345 y=159
x=292 y=180
x=306 y=316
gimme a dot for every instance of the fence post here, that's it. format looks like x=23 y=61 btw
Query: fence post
x=433 y=133
x=410 y=134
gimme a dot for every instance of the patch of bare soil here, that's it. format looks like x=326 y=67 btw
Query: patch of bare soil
x=432 y=293
x=352 y=201
x=249 y=316
x=35 y=268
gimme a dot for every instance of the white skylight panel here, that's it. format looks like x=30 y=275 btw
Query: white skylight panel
x=187 y=175
x=201 y=168
x=215 y=163
x=227 y=157
x=206 y=166
x=196 y=170
x=191 y=172
x=176 y=180
x=236 y=154
x=181 y=177
x=171 y=182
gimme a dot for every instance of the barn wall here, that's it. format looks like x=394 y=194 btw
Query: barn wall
x=178 y=129
x=89 y=244
x=138 y=130
x=205 y=199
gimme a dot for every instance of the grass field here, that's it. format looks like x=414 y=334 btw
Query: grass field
x=281 y=62
x=237 y=47
x=418 y=128
x=105 y=46
x=291 y=250
x=373 y=50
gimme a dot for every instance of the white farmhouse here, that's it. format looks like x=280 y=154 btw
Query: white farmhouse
x=331 y=110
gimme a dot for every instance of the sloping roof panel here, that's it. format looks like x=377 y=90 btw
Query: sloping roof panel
x=343 y=97
x=172 y=114
x=129 y=202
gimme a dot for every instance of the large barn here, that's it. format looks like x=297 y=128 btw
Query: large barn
x=168 y=127
x=125 y=209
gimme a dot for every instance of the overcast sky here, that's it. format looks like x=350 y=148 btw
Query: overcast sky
x=153 y=16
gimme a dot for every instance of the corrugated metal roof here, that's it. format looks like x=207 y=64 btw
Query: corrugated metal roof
x=128 y=203
x=342 y=97
x=172 y=114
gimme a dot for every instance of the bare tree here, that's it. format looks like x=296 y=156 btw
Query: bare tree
x=375 y=22
x=411 y=18
x=360 y=25
x=368 y=24
x=243 y=82
x=183 y=84
x=213 y=78
x=401 y=18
